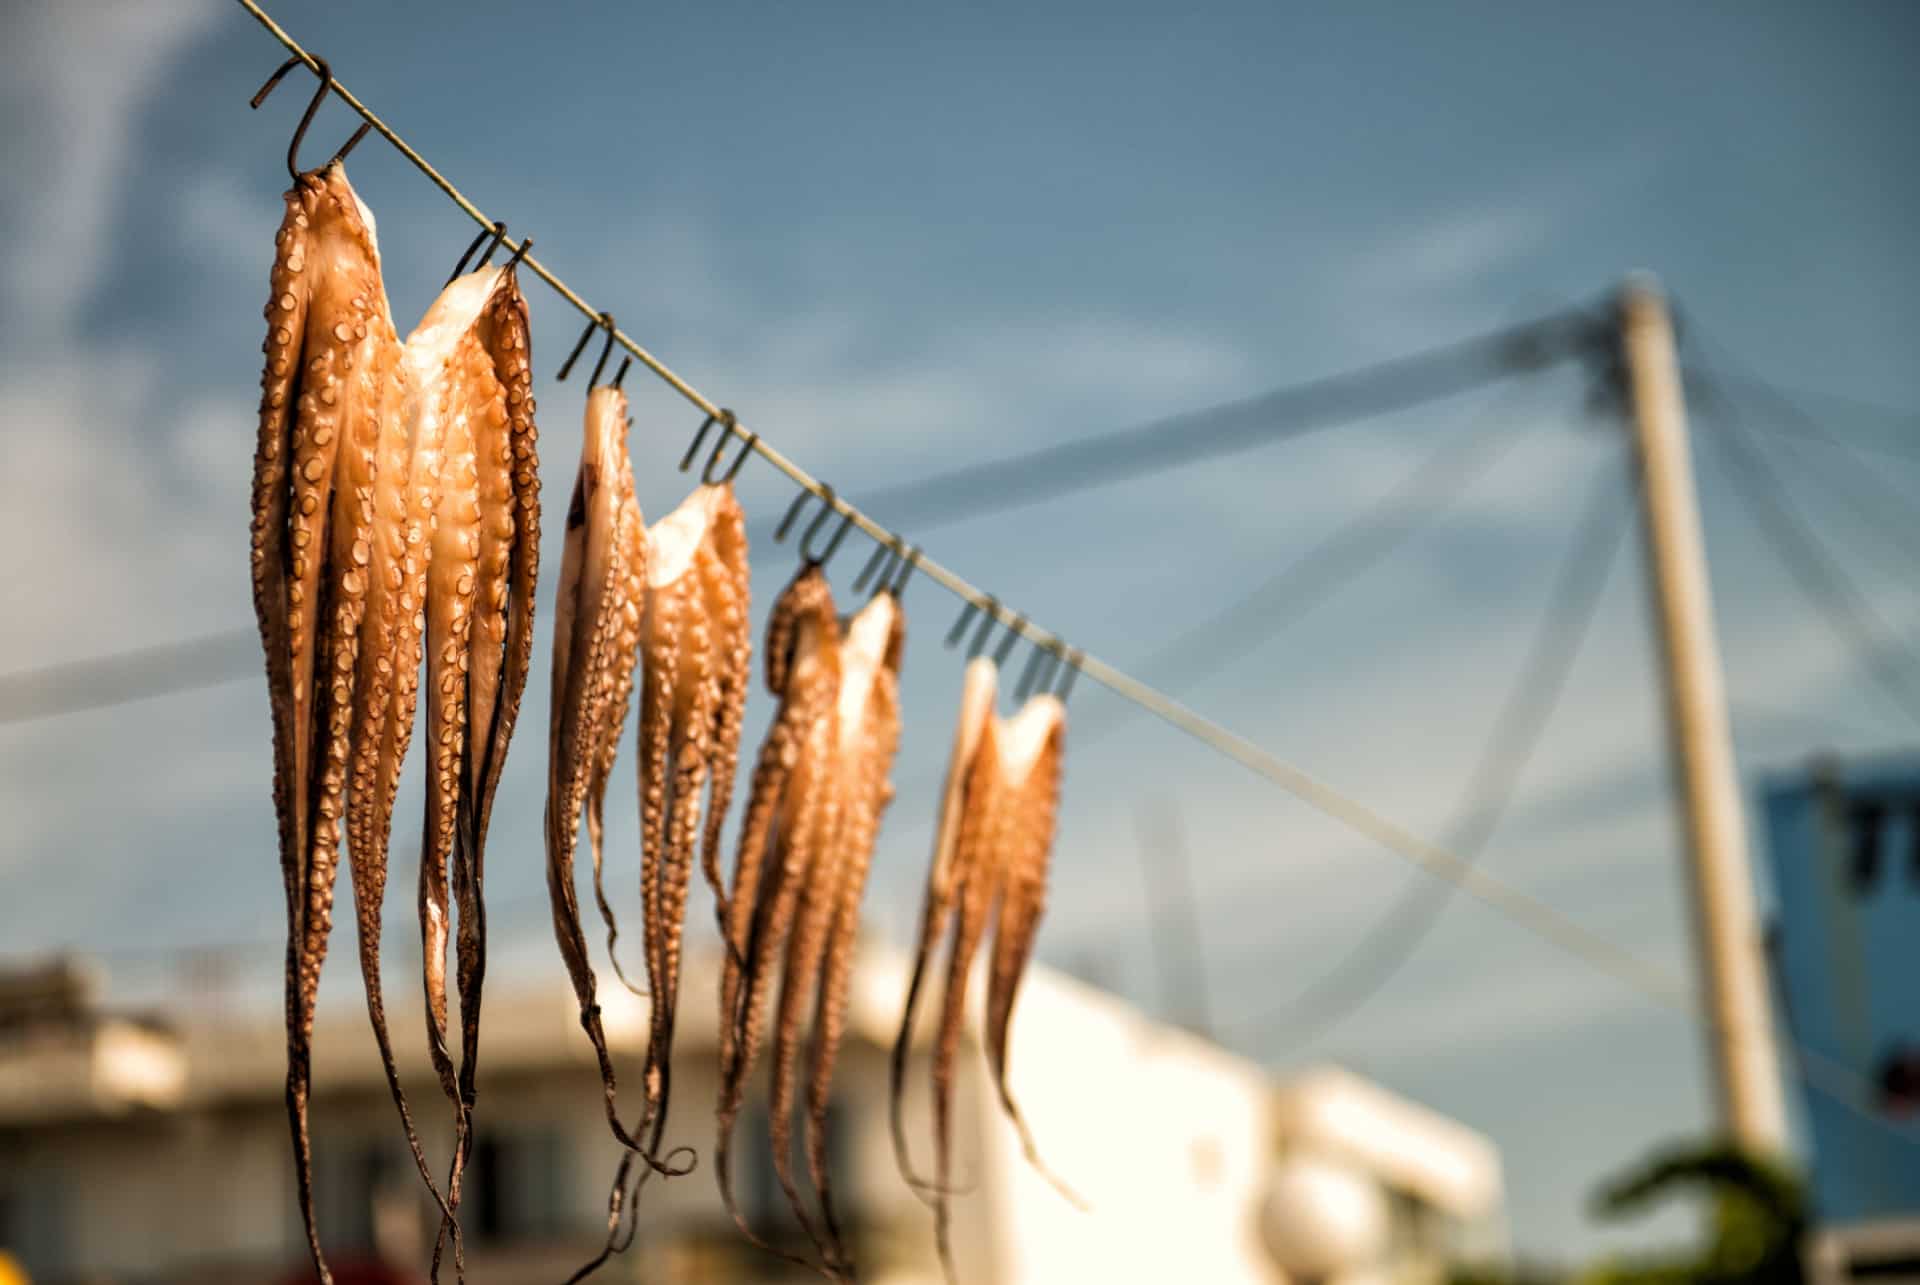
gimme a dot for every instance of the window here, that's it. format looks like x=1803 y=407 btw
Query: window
x=517 y=1186
x=1866 y=830
x=347 y=1175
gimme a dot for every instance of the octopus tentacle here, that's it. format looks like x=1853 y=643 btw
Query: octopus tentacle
x=877 y=740
x=275 y=473
x=501 y=638
x=451 y=575
x=1035 y=743
x=695 y=671
x=629 y=574
x=330 y=380
x=728 y=601
x=406 y=488
x=943 y=877
x=813 y=814
x=660 y=652
x=587 y=647
x=779 y=754
x=816 y=889
x=779 y=836
x=988 y=875
x=978 y=885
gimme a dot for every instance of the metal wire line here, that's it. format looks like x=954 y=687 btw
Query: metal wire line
x=1418 y=378
x=1565 y=622
x=1836 y=599
x=122 y=677
x=1901 y=441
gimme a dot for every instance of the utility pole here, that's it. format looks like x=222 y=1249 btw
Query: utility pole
x=1728 y=930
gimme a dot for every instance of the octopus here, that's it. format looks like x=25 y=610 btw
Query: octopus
x=597 y=620
x=348 y=494
x=989 y=868
x=696 y=657
x=819 y=790
x=474 y=532
x=331 y=389
x=670 y=604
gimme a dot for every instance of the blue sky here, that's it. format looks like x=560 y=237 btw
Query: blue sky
x=900 y=239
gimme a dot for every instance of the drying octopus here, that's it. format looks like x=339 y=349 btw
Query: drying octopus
x=989 y=865
x=597 y=615
x=670 y=602
x=819 y=790
x=356 y=490
x=472 y=389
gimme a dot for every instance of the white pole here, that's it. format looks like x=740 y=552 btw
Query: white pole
x=1733 y=966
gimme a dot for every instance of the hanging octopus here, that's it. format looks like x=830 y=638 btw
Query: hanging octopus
x=597 y=615
x=331 y=388
x=819 y=790
x=696 y=656
x=990 y=856
x=349 y=514
x=472 y=389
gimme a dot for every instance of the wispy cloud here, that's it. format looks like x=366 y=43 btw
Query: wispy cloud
x=78 y=72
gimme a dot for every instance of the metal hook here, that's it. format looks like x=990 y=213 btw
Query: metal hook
x=499 y=235
x=882 y=555
x=989 y=617
x=821 y=558
x=908 y=563
x=1006 y=646
x=731 y=427
x=620 y=376
x=791 y=516
x=498 y=232
x=526 y=244
x=693 y=447
x=828 y=502
x=1039 y=670
x=1072 y=662
x=707 y=472
x=733 y=469
x=604 y=319
x=325 y=73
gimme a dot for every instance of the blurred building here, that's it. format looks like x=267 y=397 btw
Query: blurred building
x=1844 y=843
x=137 y=1151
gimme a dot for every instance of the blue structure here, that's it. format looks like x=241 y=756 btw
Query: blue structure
x=1843 y=840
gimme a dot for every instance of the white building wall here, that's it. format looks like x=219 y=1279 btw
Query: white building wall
x=1163 y=1136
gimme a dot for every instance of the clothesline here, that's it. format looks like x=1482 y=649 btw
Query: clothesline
x=1526 y=910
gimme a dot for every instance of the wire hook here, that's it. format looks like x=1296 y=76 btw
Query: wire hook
x=894 y=561
x=604 y=319
x=813 y=528
x=908 y=563
x=1071 y=659
x=1005 y=649
x=730 y=427
x=498 y=233
x=1040 y=669
x=883 y=555
x=325 y=73
x=828 y=506
x=989 y=617
x=526 y=244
